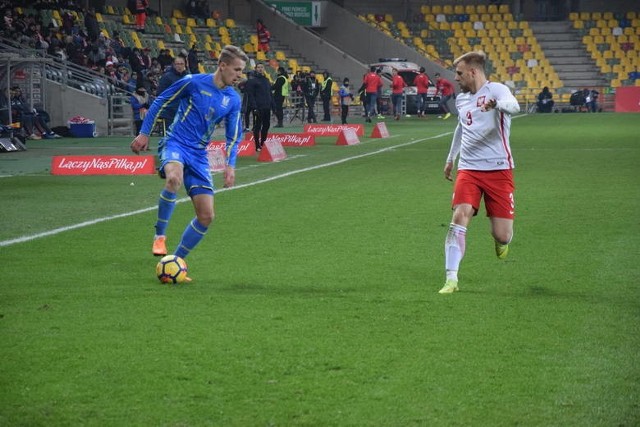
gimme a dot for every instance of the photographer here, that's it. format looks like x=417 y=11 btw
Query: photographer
x=311 y=88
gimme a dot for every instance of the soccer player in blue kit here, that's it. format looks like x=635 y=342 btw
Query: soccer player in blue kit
x=205 y=100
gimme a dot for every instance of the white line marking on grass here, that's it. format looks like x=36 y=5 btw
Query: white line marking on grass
x=55 y=231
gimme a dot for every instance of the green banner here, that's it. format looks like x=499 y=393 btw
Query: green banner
x=300 y=12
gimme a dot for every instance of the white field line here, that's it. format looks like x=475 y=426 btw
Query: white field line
x=83 y=224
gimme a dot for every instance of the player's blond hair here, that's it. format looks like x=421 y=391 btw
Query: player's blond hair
x=476 y=59
x=230 y=52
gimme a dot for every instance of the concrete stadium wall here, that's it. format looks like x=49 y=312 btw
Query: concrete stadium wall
x=63 y=103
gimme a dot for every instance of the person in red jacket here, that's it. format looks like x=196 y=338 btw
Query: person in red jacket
x=422 y=85
x=397 y=90
x=445 y=89
x=371 y=82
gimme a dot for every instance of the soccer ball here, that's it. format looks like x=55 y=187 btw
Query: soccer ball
x=171 y=269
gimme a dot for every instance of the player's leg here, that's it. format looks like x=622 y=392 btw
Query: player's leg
x=197 y=228
x=502 y=232
x=257 y=124
x=197 y=180
x=173 y=172
x=465 y=204
x=266 y=124
x=500 y=204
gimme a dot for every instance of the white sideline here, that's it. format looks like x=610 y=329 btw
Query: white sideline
x=55 y=231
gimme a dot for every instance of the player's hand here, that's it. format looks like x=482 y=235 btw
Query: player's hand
x=140 y=143
x=448 y=170
x=489 y=105
x=229 y=177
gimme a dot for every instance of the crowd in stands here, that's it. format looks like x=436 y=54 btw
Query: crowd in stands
x=83 y=44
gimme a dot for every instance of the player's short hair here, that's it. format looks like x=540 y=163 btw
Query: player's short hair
x=476 y=59
x=230 y=52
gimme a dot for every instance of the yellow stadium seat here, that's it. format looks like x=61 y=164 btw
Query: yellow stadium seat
x=211 y=23
x=447 y=9
x=596 y=16
x=260 y=56
x=191 y=22
x=248 y=48
x=126 y=20
x=230 y=23
x=177 y=13
x=481 y=8
x=280 y=56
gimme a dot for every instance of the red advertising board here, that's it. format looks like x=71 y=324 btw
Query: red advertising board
x=628 y=99
x=245 y=147
x=289 y=139
x=332 y=130
x=102 y=165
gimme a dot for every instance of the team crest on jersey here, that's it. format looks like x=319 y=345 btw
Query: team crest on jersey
x=480 y=101
x=225 y=101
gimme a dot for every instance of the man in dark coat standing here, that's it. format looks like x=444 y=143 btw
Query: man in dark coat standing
x=260 y=101
x=172 y=75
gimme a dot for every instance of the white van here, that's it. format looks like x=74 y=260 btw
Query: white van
x=408 y=71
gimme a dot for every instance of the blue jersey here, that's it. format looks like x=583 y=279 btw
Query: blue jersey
x=202 y=106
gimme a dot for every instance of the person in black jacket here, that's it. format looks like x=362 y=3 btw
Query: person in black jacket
x=326 y=91
x=311 y=90
x=172 y=75
x=260 y=101
x=280 y=93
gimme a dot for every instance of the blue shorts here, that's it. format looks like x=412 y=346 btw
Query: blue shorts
x=196 y=174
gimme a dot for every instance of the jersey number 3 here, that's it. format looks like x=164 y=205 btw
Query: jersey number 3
x=469 y=119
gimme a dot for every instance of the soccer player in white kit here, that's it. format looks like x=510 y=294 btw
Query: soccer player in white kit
x=485 y=164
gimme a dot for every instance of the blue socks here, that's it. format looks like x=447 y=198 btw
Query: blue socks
x=190 y=238
x=166 y=204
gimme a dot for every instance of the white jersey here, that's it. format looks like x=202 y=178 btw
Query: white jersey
x=482 y=137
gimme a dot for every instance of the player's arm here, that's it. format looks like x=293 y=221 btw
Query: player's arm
x=233 y=136
x=176 y=90
x=453 y=153
x=502 y=100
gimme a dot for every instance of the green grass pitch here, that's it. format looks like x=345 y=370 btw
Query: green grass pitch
x=315 y=296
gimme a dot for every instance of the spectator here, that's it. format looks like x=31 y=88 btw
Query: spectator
x=264 y=36
x=34 y=122
x=346 y=97
x=545 y=101
x=165 y=59
x=141 y=14
x=326 y=92
x=91 y=24
x=172 y=75
x=140 y=101
x=193 y=61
